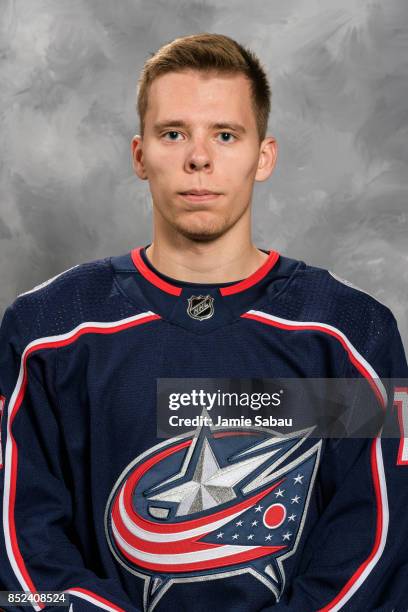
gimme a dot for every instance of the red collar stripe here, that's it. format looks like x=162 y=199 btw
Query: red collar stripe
x=254 y=278
x=151 y=276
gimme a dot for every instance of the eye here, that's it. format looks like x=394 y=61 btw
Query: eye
x=172 y=135
x=226 y=137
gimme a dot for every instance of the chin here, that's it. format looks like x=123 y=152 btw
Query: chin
x=196 y=237
x=203 y=231
x=201 y=234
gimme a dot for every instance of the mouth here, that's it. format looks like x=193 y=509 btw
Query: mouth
x=199 y=195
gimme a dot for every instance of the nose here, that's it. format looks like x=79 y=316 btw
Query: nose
x=198 y=157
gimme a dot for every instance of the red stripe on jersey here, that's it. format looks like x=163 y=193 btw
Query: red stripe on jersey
x=2 y=404
x=13 y=481
x=90 y=596
x=304 y=327
x=378 y=532
x=92 y=330
x=376 y=444
x=248 y=555
x=254 y=278
x=14 y=450
x=402 y=421
x=180 y=526
x=151 y=276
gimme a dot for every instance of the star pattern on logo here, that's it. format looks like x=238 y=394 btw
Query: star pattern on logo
x=234 y=483
x=210 y=484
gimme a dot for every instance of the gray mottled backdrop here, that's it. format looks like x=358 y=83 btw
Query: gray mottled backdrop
x=338 y=68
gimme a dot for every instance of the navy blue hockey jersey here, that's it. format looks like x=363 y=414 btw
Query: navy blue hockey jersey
x=240 y=520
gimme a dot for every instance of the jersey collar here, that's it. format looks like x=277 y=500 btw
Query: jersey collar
x=231 y=289
x=188 y=304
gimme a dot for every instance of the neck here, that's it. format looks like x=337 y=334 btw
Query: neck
x=220 y=261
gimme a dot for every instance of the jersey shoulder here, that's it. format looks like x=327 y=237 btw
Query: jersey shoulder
x=84 y=292
x=316 y=295
x=330 y=283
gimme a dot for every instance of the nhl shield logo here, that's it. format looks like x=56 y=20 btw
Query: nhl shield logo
x=200 y=307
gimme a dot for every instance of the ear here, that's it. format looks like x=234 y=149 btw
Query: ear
x=268 y=152
x=137 y=157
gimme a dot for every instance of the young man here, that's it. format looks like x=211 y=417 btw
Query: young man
x=94 y=503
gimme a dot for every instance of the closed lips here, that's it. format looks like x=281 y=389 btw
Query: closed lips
x=199 y=192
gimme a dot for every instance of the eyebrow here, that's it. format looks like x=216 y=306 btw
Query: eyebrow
x=224 y=125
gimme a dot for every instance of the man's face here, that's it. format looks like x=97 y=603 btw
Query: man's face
x=200 y=137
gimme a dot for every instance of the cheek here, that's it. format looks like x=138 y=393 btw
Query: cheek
x=239 y=164
x=240 y=175
x=252 y=163
x=159 y=162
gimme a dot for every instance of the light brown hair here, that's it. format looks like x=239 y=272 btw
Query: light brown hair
x=208 y=53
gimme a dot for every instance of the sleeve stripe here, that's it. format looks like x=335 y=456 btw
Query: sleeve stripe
x=400 y=399
x=2 y=404
x=10 y=475
x=357 y=579
x=11 y=451
x=355 y=357
x=97 y=600
x=377 y=466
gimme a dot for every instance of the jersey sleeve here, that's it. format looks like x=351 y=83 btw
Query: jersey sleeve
x=39 y=545
x=356 y=557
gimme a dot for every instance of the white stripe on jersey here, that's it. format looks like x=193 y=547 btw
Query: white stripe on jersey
x=378 y=450
x=325 y=326
x=9 y=441
x=385 y=522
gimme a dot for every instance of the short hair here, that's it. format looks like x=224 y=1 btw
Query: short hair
x=208 y=53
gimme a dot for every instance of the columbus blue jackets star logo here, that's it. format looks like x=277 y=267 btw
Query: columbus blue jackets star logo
x=212 y=503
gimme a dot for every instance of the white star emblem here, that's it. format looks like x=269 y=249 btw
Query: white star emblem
x=239 y=523
x=210 y=484
x=292 y=517
x=250 y=537
x=254 y=523
x=295 y=500
x=280 y=492
x=268 y=537
x=298 y=479
x=219 y=535
x=235 y=536
x=287 y=535
x=258 y=508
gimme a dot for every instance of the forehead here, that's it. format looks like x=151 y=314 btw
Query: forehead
x=192 y=95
